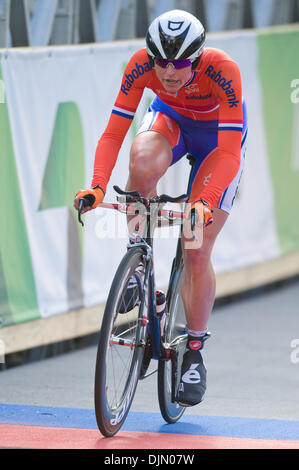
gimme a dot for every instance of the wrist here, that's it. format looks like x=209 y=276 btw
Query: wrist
x=98 y=187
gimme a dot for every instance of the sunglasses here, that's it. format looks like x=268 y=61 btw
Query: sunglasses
x=178 y=64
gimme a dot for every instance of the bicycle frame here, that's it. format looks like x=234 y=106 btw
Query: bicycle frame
x=155 y=217
x=178 y=256
x=139 y=330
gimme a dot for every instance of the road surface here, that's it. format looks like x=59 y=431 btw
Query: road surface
x=251 y=358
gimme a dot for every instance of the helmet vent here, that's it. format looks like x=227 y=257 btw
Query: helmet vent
x=172 y=44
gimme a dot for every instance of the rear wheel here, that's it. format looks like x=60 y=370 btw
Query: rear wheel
x=175 y=337
x=121 y=344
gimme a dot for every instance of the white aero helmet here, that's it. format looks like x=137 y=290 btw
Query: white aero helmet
x=175 y=35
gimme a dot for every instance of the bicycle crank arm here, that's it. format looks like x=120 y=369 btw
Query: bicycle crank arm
x=174 y=372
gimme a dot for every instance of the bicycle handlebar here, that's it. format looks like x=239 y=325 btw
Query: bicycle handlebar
x=134 y=196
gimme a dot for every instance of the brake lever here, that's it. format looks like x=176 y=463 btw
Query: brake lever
x=82 y=203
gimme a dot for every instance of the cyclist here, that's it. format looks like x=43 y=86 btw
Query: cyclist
x=199 y=109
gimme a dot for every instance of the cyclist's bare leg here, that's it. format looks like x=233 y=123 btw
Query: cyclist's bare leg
x=199 y=283
x=150 y=157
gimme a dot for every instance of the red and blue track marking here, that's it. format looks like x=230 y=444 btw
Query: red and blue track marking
x=36 y=427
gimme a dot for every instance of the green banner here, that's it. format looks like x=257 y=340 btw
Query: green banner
x=279 y=69
x=64 y=174
x=18 y=300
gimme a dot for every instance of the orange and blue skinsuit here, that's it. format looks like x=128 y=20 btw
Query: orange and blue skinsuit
x=206 y=117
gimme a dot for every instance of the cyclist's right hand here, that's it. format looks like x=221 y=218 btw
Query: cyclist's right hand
x=95 y=195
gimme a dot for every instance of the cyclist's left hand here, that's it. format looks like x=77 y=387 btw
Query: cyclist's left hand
x=97 y=195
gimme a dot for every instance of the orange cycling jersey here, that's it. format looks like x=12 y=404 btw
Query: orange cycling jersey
x=214 y=93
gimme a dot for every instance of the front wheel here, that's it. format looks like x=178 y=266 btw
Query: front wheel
x=175 y=337
x=121 y=344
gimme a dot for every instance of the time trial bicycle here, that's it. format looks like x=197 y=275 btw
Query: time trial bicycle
x=133 y=331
